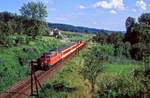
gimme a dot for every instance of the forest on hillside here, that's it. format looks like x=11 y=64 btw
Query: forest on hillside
x=78 y=29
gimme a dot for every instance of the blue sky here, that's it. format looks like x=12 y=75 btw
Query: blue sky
x=102 y=14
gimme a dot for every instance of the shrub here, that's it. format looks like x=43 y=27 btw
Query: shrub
x=118 y=49
x=138 y=51
x=142 y=74
x=115 y=86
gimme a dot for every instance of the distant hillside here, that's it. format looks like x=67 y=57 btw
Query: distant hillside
x=71 y=28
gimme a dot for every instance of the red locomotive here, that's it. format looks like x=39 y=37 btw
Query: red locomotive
x=53 y=56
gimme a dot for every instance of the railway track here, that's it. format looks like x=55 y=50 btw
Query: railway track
x=22 y=89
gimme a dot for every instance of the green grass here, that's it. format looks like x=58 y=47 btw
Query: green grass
x=10 y=68
x=76 y=36
x=123 y=69
x=116 y=65
x=70 y=76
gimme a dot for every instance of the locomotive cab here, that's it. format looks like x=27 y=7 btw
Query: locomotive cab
x=42 y=62
x=48 y=59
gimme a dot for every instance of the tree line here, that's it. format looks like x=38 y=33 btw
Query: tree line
x=71 y=28
x=31 y=22
x=138 y=34
x=136 y=40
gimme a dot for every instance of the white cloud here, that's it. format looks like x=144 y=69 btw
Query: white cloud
x=113 y=12
x=134 y=10
x=141 y=4
x=113 y=4
x=82 y=7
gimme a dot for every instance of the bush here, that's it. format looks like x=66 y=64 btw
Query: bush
x=14 y=40
x=115 y=86
x=138 y=51
x=142 y=74
x=20 y=40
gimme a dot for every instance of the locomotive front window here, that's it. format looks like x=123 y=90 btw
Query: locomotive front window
x=48 y=56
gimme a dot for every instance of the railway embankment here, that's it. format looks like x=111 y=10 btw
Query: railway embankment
x=14 y=60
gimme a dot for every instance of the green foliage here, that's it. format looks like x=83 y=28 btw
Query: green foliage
x=139 y=33
x=122 y=49
x=101 y=38
x=115 y=86
x=139 y=37
x=34 y=27
x=34 y=10
x=105 y=38
x=142 y=74
x=68 y=82
x=126 y=49
x=115 y=37
x=14 y=40
x=93 y=65
x=140 y=51
x=112 y=85
x=12 y=24
x=14 y=60
x=144 y=18
x=130 y=22
x=118 y=49
x=71 y=76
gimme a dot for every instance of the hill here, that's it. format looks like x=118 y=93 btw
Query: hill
x=72 y=28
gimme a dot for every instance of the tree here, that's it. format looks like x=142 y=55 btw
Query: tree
x=144 y=18
x=118 y=48
x=115 y=37
x=101 y=38
x=129 y=23
x=35 y=14
x=126 y=49
x=93 y=65
x=34 y=10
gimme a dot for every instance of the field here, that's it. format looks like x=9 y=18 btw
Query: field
x=76 y=36
x=69 y=82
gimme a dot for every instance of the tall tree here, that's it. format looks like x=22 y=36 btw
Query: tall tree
x=93 y=65
x=144 y=18
x=129 y=23
x=34 y=10
x=35 y=23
